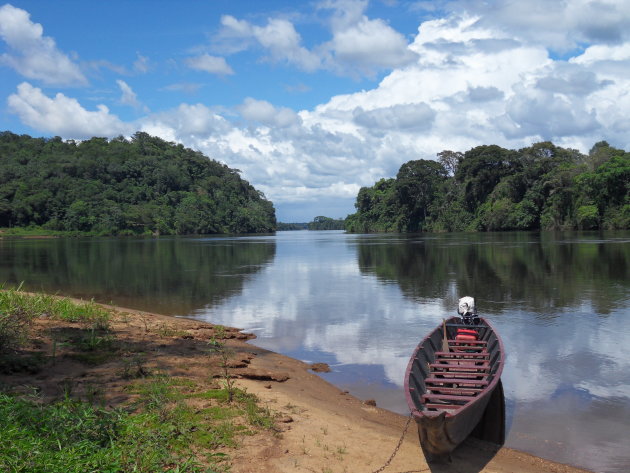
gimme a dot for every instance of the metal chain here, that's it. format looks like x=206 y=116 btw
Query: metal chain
x=387 y=463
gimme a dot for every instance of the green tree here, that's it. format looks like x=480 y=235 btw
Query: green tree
x=542 y=186
x=417 y=183
x=144 y=185
x=481 y=170
x=326 y=223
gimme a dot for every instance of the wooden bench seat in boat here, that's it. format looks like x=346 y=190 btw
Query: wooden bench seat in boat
x=463 y=381
x=462 y=355
x=430 y=405
x=467 y=342
x=447 y=397
x=464 y=391
x=464 y=367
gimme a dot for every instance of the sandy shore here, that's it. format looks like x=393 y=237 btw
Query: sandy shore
x=323 y=429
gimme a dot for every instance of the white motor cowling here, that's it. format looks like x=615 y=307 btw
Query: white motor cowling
x=466 y=306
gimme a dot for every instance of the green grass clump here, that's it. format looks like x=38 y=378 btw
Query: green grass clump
x=18 y=310
x=256 y=415
x=76 y=437
x=86 y=313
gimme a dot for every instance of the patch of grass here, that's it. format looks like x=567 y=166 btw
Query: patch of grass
x=219 y=434
x=164 y=330
x=210 y=428
x=18 y=310
x=220 y=413
x=218 y=394
x=73 y=436
x=155 y=394
x=88 y=314
x=94 y=340
x=256 y=415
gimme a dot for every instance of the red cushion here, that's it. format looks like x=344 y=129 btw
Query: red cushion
x=466 y=334
x=461 y=336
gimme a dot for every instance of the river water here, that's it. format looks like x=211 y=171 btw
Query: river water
x=361 y=303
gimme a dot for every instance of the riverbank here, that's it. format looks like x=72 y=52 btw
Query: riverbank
x=316 y=427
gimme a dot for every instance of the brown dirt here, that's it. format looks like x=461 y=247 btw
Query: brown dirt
x=323 y=429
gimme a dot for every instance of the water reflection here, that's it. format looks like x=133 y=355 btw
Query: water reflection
x=165 y=275
x=537 y=272
x=314 y=304
x=362 y=302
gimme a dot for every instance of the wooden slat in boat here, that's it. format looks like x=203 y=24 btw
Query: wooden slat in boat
x=429 y=405
x=465 y=391
x=476 y=382
x=447 y=397
x=458 y=346
x=464 y=367
x=468 y=342
x=462 y=355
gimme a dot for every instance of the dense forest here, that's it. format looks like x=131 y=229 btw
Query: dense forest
x=124 y=187
x=489 y=188
x=318 y=223
x=326 y=223
x=283 y=226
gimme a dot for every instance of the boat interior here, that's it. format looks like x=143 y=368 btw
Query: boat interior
x=448 y=374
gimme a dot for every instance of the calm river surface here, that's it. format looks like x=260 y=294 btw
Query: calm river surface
x=361 y=303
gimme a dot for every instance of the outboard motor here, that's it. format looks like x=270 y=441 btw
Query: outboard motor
x=469 y=317
x=468 y=311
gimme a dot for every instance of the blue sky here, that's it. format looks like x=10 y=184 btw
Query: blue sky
x=312 y=100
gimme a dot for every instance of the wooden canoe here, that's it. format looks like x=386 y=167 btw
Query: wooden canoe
x=448 y=386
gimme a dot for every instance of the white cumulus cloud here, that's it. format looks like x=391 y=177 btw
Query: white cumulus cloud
x=212 y=64
x=32 y=54
x=63 y=116
x=560 y=25
x=266 y=114
x=397 y=117
x=358 y=45
x=278 y=38
x=128 y=96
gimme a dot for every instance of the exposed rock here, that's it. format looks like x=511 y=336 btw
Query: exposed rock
x=263 y=375
x=320 y=367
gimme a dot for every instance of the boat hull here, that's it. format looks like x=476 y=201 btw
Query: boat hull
x=442 y=430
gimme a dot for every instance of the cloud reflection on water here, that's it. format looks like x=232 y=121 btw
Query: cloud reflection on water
x=363 y=310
